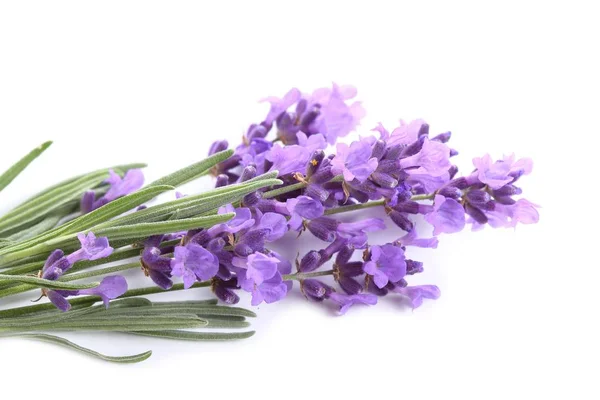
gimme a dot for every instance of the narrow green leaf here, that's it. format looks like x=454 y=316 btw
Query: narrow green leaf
x=193 y=171
x=219 y=323
x=193 y=205
x=117 y=323
x=7 y=177
x=42 y=226
x=195 y=336
x=120 y=169
x=50 y=201
x=121 y=233
x=116 y=207
x=44 y=283
x=206 y=310
x=66 y=343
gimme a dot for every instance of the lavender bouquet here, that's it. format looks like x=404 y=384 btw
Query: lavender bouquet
x=283 y=179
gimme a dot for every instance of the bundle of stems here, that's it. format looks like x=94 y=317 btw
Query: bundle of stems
x=53 y=218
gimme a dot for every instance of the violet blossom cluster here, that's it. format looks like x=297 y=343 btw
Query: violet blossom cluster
x=406 y=170
x=92 y=248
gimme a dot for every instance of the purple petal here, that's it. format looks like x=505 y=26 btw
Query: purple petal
x=448 y=216
x=416 y=294
x=58 y=300
x=110 y=288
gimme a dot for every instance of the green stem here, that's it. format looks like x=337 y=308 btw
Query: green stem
x=307 y=275
x=354 y=207
x=283 y=190
x=87 y=300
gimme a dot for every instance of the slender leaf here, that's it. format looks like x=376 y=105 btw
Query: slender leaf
x=66 y=343
x=45 y=283
x=193 y=205
x=7 y=177
x=116 y=207
x=50 y=201
x=219 y=323
x=193 y=171
x=120 y=169
x=117 y=323
x=121 y=233
x=195 y=336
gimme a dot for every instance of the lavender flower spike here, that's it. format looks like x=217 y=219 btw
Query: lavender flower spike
x=354 y=161
x=448 y=216
x=386 y=264
x=193 y=262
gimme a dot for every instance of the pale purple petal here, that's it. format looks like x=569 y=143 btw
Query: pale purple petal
x=347 y=301
x=416 y=294
x=448 y=216
x=110 y=288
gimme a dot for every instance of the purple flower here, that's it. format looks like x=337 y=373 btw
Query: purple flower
x=411 y=239
x=416 y=294
x=354 y=161
x=355 y=233
x=303 y=207
x=497 y=174
x=275 y=226
x=448 y=216
x=386 y=264
x=312 y=143
x=55 y=266
x=433 y=159
x=132 y=181
x=193 y=262
x=315 y=290
x=347 y=301
x=288 y=159
x=258 y=268
x=279 y=106
x=508 y=216
x=242 y=220
x=336 y=118
x=155 y=265
x=92 y=248
x=110 y=288
x=261 y=275
x=405 y=134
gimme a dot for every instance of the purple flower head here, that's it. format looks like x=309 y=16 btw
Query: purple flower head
x=288 y=159
x=416 y=294
x=355 y=233
x=218 y=146
x=448 y=216
x=433 y=159
x=312 y=143
x=347 y=301
x=279 y=106
x=303 y=207
x=386 y=264
x=275 y=226
x=156 y=266
x=257 y=267
x=110 y=288
x=508 y=216
x=58 y=300
x=224 y=290
x=354 y=161
x=336 y=118
x=315 y=290
x=193 y=262
x=55 y=266
x=502 y=172
x=92 y=248
x=132 y=181
x=261 y=275
x=411 y=239
x=242 y=220
x=405 y=134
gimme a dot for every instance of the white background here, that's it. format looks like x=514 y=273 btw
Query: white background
x=119 y=81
